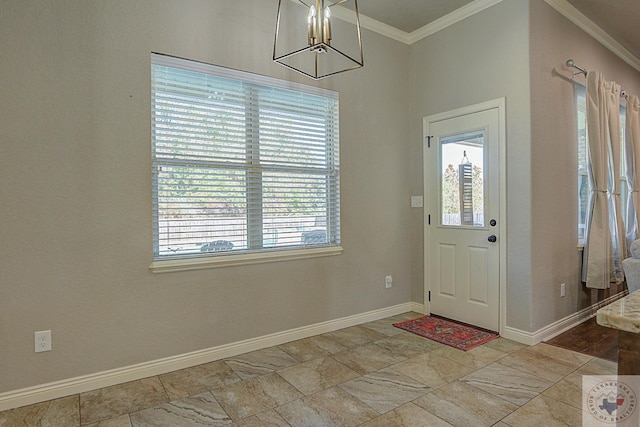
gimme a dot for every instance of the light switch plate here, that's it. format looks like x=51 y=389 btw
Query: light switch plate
x=416 y=201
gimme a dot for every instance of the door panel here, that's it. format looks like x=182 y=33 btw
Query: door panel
x=478 y=264
x=462 y=193
x=447 y=255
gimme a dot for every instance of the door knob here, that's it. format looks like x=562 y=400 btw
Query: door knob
x=492 y=238
x=493 y=222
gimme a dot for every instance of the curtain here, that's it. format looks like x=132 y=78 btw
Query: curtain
x=616 y=224
x=604 y=242
x=632 y=158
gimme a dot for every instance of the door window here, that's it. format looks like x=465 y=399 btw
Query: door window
x=462 y=188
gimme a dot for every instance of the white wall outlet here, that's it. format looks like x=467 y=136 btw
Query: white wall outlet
x=388 y=282
x=43 y=341
x=562 y=289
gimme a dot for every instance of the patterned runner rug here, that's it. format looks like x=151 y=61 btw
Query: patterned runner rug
x=455 y=334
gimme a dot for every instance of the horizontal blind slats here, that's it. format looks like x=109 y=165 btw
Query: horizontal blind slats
x=240 y=166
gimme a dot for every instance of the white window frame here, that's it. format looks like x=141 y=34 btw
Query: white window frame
x=254 y=251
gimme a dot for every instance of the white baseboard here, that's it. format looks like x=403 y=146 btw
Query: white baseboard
x=71 y=386
x=418 y=308
x=67 y=387
x=558 y=327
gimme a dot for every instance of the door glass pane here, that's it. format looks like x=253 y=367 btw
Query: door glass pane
x=462 y=180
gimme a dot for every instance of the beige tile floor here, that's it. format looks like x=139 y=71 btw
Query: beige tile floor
x=367 y=375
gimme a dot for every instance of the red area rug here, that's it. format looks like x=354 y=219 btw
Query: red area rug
x=454 y=334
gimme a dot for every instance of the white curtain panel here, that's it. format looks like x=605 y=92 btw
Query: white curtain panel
x=618 y=236
x=632 y=160
x=602 y=236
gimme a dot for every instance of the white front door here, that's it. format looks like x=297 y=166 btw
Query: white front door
x=462 y=215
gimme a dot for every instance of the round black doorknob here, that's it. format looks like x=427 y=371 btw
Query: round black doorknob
x=492 y=238
x=493 y=222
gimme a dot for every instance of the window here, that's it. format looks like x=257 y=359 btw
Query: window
x=242 y=164
x=462 y=180
x=583 y=179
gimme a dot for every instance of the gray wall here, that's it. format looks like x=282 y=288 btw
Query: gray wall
x=484 y=57
x=517 y=50
x=555 y=256
x=75 y=199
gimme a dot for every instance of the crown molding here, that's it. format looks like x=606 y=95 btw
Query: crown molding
x=476 y=6
x=371 y=24
x=454 y=17
x=590 y=27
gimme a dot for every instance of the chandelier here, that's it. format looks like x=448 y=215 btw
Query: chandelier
x=311 y=40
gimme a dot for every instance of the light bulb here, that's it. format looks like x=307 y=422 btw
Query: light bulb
x=326 y=34
x=311 y=26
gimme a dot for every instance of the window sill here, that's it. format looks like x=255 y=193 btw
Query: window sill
x=174 y=265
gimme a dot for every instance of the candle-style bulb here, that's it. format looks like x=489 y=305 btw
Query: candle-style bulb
x=311 y=26
x=327 y=26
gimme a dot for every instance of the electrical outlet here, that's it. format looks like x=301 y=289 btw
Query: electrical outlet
x=388 y=282
x=43 y=341
x=562 y=290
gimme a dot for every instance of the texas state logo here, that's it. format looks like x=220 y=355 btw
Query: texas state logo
x=610 y=401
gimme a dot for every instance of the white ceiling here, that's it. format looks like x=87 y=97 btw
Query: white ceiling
x=619 y=18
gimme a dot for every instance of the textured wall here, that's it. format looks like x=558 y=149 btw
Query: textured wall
x=555 y=257
x=481 y=58
x=75 y=199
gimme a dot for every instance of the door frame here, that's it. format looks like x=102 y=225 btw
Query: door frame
x=500 y=104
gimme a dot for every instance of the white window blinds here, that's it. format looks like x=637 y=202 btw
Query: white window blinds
x=241 y=163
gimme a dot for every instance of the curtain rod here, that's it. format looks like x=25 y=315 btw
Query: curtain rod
x=581 y=70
